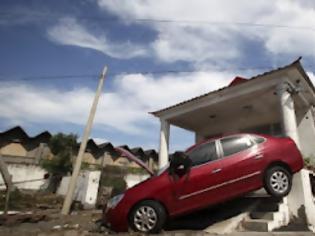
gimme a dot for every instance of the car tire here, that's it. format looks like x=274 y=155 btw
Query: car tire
x=147 y=217
x=278 y=181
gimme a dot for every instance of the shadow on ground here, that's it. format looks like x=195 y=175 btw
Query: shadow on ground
x=206 y=217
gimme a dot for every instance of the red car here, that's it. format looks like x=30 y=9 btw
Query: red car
x=206 y=174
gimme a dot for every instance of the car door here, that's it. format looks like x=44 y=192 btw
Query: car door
x=241 y=165
x=195 y=189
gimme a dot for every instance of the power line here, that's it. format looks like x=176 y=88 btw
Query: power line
x=144 y=72
x=248 y=24
x=50 y=16
x=192 y=71
x=116 y=73
x=46 y=77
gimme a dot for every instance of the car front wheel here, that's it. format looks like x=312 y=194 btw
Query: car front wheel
x=147 y=217
x=278 y=181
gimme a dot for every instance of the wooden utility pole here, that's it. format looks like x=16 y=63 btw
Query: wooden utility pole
x=77 y=166
x=8 y=182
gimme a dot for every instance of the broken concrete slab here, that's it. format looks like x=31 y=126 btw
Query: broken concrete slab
x=227 y=226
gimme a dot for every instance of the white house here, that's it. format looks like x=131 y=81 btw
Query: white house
x=277 y=102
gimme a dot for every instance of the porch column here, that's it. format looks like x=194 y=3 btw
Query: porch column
x=164 y=143
x=296 y=198
x=288 y=118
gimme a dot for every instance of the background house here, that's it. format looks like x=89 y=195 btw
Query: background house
x=16 y=145
x=23 y=153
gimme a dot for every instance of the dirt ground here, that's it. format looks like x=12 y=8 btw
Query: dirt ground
x=78 y=223
x=39 y=215
x=83 y=222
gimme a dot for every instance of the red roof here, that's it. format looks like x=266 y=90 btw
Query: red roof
x=237 y=80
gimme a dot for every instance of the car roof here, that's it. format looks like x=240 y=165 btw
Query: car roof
x=222 y=136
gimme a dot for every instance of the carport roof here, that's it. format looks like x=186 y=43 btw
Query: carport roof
x=295 y=64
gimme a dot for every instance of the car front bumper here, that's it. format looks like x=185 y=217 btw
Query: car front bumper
x=115 y=219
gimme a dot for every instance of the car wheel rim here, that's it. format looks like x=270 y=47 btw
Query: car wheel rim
x=145 y=218
x=279 y=181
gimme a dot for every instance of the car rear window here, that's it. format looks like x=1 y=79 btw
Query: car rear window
x=235 y=144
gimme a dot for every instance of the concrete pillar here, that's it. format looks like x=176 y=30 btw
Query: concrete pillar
x=164 y=143
x=306 y=129
x=296 y=198
x=288 y=118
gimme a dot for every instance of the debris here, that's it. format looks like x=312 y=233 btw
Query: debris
x=45 y=206
x=57 y=227
x=21 y=218
x=76 y=226
x=76 y=206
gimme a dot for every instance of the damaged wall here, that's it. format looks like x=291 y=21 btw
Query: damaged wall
x=30 y=176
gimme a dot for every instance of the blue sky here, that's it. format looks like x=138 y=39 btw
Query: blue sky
x=75 y=38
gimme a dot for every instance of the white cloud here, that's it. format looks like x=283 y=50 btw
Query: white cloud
x=290 y=41
x=100 y=140
x=192 y=38
x=194 y=44
x=167 y=90
x=69 y=32
x=312 y=76
x=125 y=108
x=202 y=41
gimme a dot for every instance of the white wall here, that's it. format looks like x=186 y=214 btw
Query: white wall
x=86 y=189
x=309 y=202
x=306 y=130
x=92 y=187
x=25 y=172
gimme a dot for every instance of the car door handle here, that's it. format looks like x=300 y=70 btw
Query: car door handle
x=216 y=170
x=258 y=156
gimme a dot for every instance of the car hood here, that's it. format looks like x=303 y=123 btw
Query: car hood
x=131 y=157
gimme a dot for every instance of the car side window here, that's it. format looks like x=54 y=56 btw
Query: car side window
x=203 y=153
x=235 y=144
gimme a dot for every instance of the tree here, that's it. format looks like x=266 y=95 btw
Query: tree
x=63 y=147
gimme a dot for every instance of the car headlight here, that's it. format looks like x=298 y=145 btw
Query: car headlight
x=113 y=202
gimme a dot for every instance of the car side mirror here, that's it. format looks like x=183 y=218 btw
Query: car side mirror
x=180 y=164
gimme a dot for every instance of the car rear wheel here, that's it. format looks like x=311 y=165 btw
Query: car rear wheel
x=147 y=217
x=278 y=181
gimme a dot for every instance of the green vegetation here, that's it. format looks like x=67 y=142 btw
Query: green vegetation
x=63 y=147
x=123 y=170
x=309 y=163
x=15 y=196
x=134 y=170
x=118 y=184
x=113 y=176
x=29 y=200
